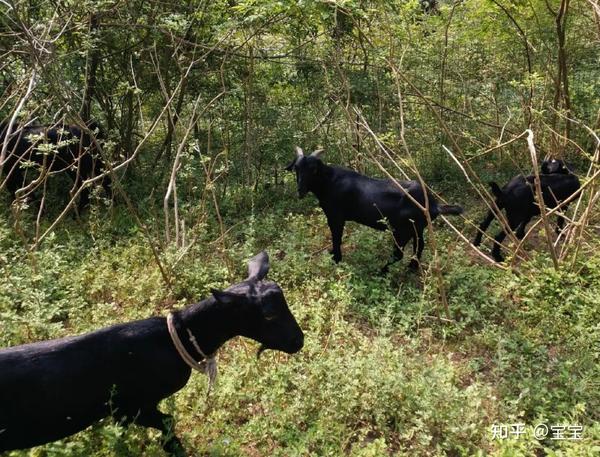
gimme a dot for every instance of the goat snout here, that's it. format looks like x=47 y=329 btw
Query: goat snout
x=296 y=343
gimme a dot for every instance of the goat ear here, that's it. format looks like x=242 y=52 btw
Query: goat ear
x=317 y=153
x=299 y=155
x=258 y=266
x=226 y=298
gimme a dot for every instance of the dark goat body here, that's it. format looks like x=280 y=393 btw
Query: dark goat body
x=75 y=154
x=518 y=200
x=345 y=195
x=52 y=389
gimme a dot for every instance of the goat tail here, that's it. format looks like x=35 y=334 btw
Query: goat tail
x=450 y=209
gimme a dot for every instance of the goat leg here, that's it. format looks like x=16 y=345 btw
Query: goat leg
x=496 y=250
x=516 y=223
x=560 y=221
x=401 y=237
x=521 y=229
x=337 y=230
x=483 y=227
x=165 y=423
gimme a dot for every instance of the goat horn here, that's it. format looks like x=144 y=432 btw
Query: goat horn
x=317 y=153
x=299 y=152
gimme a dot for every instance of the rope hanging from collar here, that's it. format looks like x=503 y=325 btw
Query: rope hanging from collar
x=208 y=366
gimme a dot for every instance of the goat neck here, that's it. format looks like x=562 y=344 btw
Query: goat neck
x=323 y=185
x=211 y=323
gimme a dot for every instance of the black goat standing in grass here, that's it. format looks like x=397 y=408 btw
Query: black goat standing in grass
x=52 y=389
x=517 y=198
x=73 y=150
x=345 y=195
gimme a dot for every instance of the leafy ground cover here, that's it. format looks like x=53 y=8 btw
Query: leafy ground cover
x=383 y=372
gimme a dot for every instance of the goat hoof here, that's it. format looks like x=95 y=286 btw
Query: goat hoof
x=413 y=265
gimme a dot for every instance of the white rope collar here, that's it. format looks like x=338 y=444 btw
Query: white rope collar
x=208 y=366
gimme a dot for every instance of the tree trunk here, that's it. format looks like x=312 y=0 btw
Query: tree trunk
x=93 y=58
x=561 y=84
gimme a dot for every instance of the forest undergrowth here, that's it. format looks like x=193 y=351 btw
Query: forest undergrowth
x=383 y=371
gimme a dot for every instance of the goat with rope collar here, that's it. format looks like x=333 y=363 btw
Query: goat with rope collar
x=52 y=389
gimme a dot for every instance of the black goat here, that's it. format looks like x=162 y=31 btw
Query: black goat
x=518 y=200
x=73 y=150
x=52 y=389
x=345 y=195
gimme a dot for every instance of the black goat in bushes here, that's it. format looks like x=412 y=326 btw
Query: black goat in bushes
x=52 y=389
x=345 y=195
x=518 y=200
x=59 y=148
